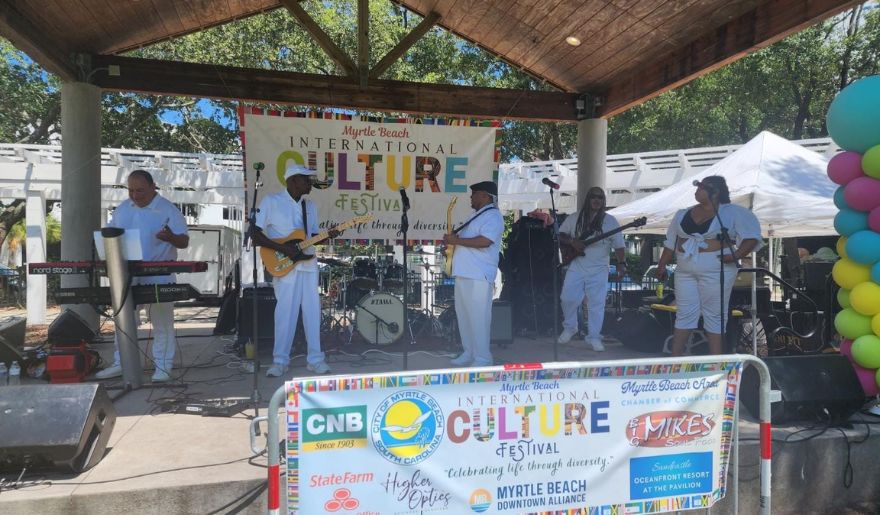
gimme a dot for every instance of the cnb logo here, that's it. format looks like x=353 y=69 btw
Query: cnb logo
x=334 y=428
x=407 y=427
x=480 y=500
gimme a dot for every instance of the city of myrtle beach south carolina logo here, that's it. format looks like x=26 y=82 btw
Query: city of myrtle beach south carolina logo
x=407 y=427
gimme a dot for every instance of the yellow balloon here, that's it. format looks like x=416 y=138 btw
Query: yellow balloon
x=841 y=246
x=865 y=298
x=848 y=274
x=875 y=324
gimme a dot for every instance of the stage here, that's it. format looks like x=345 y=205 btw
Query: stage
x=161 y=462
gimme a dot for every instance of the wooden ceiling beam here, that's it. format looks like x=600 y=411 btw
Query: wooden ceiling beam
x=22 y=33
x=754 y=30
x=321 y=38
x=404 y=44
x=269 y=86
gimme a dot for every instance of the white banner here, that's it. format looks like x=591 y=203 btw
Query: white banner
x=362 y=165
x=645 y=439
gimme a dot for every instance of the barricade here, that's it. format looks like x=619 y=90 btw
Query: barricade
x=664 y=403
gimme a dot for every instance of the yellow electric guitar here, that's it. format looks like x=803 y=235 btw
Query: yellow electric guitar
x=450 y=249
x=280 y=265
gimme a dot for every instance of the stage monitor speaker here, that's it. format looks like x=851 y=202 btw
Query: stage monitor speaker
x=265 y=298
x=64 y=427
x=814 y=388
x=501 y=332
x=69 y=328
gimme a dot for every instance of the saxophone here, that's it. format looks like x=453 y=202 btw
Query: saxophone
x=450 y=249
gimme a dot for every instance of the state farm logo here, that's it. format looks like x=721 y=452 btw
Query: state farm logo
x=668 y=428
x=342 y=500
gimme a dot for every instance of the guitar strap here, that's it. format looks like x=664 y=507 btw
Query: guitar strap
x=305 y=220
x=462 y=226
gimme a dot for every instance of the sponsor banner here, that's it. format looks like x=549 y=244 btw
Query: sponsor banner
x=362 y=164
x=645 y=439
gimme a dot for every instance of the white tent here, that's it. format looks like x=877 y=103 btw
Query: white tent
x=784 y=184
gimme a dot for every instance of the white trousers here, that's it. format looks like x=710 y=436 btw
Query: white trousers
x=591 y=282
x=698 y=291
x=473 y=308
x=295 y=291
x=161 y=317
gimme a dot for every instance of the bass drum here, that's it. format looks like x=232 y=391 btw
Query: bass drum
x=379 y=318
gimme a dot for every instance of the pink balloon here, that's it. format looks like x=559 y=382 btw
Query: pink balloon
x=844 y=167
x=874 y=219
x=846 y=348
x=868 y=378
x=862 y=194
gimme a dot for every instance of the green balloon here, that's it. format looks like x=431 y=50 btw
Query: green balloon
x=851 y=324
x=843 y=298
x=871 y=162
x=866 y=351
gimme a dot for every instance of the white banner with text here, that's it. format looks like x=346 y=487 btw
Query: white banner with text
x=638 y=439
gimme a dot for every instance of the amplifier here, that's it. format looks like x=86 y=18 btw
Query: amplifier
x=501 y=332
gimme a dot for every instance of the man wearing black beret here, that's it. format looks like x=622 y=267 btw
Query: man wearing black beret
x=474 y=266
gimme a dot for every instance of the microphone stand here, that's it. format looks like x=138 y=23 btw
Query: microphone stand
x=404 y=227
x=724 y=239
x=557 y=259
x=252 y=223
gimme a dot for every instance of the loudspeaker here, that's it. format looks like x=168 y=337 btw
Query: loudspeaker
x=501 y=332
x=638 y=330
x=57 y=426
x=70 y=328
x=815 y=388
x=265 y=299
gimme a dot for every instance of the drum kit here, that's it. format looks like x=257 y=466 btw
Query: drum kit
x=365 y=295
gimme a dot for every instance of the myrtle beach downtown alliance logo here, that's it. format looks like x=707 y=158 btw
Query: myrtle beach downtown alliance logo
x=407 y=427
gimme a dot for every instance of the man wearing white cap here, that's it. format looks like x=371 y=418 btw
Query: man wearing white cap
x=279 y=215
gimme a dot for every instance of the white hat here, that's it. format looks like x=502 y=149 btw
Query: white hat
x=296 y=169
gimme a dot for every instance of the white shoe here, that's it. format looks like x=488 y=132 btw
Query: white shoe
x=597 y=345
x=161 y=376
x=566 y=335
x=110 y=372
x=463 y=360
x=318 y=368
x=276 y=370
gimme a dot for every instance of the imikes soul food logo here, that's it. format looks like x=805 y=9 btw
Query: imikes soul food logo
x=668 y=428
x=328 y=429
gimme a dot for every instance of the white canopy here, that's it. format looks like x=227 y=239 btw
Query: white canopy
x=784 y=184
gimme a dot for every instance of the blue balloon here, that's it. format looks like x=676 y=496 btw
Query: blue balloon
x=864 y=247
x=839 y=201
x=875 y=273
x=848 y=222
x=853 y=114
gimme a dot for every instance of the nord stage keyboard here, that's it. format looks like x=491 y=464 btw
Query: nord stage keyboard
x=143 y=294
x=136 y=268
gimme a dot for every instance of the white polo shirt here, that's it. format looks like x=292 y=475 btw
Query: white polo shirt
x=279 y=215
x=480 y=264
x=149 y=220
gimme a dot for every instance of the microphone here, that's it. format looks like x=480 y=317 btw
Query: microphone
x=548 y=182
x=404 y=198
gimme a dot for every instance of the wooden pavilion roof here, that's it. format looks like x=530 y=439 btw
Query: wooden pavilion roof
x=631 y=50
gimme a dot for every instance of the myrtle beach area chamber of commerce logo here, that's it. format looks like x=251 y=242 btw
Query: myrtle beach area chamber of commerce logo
x=407 y=427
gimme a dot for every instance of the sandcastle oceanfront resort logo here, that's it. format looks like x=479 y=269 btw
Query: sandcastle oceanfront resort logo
x=407 y=427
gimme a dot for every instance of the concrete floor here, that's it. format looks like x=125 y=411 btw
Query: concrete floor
x=179 y=463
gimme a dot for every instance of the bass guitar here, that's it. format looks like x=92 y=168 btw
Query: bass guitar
x=279 y=265
x=450 y=249
x=569 y=253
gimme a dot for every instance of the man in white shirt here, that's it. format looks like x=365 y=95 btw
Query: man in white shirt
x=162 y=231
x=587 y=275
x=474 y=266
x=280 y=214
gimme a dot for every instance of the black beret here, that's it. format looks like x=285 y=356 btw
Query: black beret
x=487 y=186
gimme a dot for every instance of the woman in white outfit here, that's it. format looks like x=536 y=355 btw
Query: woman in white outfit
x=693 y=237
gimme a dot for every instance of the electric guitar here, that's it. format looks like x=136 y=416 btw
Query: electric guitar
x=450 y=249
x=279 y=265
x=569 y=253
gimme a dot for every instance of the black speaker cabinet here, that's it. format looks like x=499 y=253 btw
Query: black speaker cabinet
x=69 y=328
x=501 y=332
x=64 y=427
x=265 y=299
x=815 y=388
